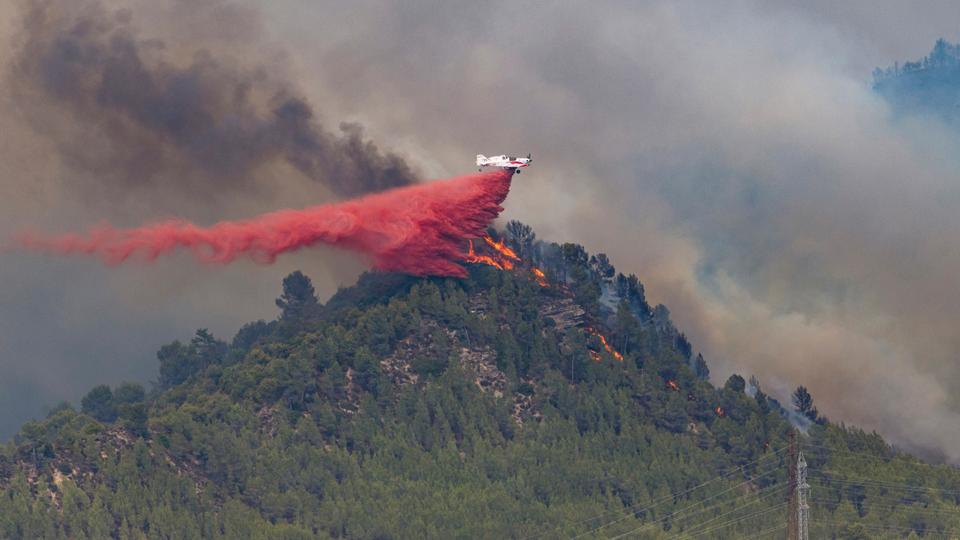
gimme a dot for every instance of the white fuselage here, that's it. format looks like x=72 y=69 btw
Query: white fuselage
x=503 y=162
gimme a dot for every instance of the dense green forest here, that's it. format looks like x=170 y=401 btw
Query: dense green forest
x=507 y=405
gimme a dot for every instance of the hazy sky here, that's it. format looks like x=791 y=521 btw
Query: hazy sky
x=730 y=154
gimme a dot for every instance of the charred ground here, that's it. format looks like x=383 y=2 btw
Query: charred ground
x=541 y=396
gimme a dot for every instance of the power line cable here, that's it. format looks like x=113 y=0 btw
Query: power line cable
x=891 y=499
x=690 y=529
x=672 y=496
x=840 y=479
x=730 y=522
x=895 y=455
x=684 y=509
x=906 y=459
x=895 y=499
x=880 y=508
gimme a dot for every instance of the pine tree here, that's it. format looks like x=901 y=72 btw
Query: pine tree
x=298 y=298
x=99 y=404
x=803 y=403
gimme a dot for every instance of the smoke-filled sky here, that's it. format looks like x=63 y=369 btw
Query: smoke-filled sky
x=731 y=154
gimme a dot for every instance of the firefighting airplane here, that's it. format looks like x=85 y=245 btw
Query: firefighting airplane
x=504 y=162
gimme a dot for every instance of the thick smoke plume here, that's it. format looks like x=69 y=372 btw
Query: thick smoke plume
x=418 y=229
x=737 y=160
x=134 y=110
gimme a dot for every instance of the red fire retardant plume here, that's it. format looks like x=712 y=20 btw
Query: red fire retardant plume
x=417 y=230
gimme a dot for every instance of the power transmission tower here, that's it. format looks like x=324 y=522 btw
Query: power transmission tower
x=793 y=517
x=803 y=491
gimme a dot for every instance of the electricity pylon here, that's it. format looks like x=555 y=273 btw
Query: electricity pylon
x=803 y=492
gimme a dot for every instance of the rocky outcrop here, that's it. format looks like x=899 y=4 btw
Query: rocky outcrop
x=524 y=405
x=482 y=363
x=564 y=312
x=397 y=367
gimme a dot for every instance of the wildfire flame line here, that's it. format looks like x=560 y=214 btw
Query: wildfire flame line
x=505 y=258
x=603 y=340
x=501 y=248
x=540 y=277
x=473 y=257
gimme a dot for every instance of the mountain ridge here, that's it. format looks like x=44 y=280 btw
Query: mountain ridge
x=529 y=398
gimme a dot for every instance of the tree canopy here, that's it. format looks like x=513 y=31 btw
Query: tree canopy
x=496 y=406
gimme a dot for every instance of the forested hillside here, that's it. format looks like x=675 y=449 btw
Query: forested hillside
x=928 y=86
x=542 y=397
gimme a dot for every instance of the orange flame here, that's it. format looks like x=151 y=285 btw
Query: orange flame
x=613 y=352
x=540 y=277
x=720 y=412
x=673 y=386
x=501 y=248
x=485 y=259
x=610 y=349
x=503 y=258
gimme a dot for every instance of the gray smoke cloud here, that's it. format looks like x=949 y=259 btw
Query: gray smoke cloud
x=130 y=109
x=732 y=155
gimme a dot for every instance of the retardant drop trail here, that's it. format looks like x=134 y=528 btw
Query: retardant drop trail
x=418 y=230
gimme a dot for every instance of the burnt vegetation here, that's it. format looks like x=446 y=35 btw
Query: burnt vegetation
x=508 y=404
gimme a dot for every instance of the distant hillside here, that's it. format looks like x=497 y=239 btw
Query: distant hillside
x=542 y=397
x=930 y=85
